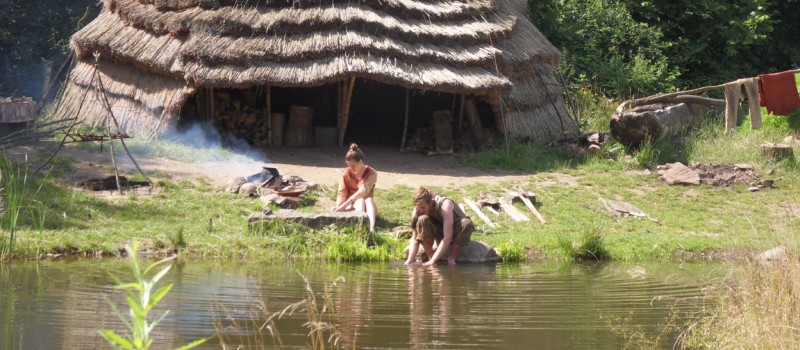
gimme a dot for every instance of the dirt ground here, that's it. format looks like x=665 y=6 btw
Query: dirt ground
x=322 y=165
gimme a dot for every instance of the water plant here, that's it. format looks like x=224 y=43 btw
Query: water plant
x=321 y=321
x=16 y=197
x=589 y=246
x=141 y=298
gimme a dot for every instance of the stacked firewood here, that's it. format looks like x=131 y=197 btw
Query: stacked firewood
x=232 y=117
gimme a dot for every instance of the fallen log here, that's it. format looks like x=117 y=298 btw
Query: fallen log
x=634 y=127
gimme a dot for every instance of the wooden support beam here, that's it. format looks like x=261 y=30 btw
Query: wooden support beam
x=405 y=122
x=532 y=208
x=345 y=113
x=269 y=114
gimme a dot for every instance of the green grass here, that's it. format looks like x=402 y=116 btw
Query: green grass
x=194 y=219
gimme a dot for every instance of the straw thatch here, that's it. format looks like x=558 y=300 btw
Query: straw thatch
x=155 y=53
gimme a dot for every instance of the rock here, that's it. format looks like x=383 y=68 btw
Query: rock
x=312 y=220
x=778 y=253
x=679 y=174
x=474 y=252
x=477 y=252
x=235 y=184
x=249 y=189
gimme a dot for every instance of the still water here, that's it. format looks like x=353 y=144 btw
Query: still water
x=59 y=304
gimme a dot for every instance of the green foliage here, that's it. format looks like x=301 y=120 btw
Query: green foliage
x=588 y=246
x=511 y=252
x=141 y=298
x=605 y=47
x=16 y=198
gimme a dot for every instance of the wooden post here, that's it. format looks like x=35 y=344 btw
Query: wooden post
x=475 y=123
x=47 y=71
x=405 y=123
x=269 y=115
x=461 y=113
x=211 y=98
x=345 y=108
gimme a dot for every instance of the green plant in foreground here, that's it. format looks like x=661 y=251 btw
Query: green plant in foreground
x=141 y=299
x=511 y=252
x=15 y=198
x=589 y=246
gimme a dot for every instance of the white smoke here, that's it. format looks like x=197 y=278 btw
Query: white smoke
x=206 y=138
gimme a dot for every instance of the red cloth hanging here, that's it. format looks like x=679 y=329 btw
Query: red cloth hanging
x=778 y=92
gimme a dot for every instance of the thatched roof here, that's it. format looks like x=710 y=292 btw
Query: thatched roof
x=486 y=48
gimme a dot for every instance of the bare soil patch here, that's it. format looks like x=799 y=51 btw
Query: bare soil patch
x=322 y=165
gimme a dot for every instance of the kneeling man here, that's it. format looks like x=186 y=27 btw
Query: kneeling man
x=437 y=218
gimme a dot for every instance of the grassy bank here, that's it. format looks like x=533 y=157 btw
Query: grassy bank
x=694 y=222
x=203 y=222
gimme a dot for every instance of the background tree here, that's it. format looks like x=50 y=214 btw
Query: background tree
x=33 y=32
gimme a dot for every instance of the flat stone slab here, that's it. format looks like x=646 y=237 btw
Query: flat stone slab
x=311 y=220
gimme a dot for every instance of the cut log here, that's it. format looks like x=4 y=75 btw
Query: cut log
x=278 y=120
x=475 y=126
x=777 y=151
x=300 y=131
x=443 y=131
x=474 y=206
x=635 y=127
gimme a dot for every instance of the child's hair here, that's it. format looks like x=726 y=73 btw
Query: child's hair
x=354 y=153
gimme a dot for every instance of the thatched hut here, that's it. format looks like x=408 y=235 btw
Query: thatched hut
x=166 y=61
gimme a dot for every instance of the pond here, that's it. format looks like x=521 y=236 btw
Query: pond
x=59 y=304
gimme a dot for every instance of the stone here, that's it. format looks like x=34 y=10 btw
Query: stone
x=778 y=253
x=475 y=252
x=234 y=184
x=312 y=220
x=679 y=174
x=249 y=189
x=777 y=151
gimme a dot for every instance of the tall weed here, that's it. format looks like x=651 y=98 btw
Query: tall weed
x=141 y=298
x=17 y=196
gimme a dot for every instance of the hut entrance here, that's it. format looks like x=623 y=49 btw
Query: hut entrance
x=379 y=114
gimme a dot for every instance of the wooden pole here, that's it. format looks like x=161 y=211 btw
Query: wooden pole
x=461 y=113
x=405 y=123
x=346 y=109
x=269 y=115
x=211 y=114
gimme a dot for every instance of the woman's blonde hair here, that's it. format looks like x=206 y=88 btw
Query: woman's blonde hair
x=354 y=153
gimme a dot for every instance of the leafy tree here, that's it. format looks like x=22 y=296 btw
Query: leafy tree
x=33 y=32
x=604 y=46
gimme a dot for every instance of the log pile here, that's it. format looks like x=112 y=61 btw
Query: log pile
x=241 y=120
x=582 y=145
x=17 y=109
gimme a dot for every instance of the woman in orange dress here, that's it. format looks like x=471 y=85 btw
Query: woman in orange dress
x=357 y=186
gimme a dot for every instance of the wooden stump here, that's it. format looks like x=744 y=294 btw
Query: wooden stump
x=278 y=120
x=777 y=151
x=443 y=130
x=300 y=131
x=475 y=126
x=635 y=127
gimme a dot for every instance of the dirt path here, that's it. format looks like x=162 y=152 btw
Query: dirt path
x=322 y=165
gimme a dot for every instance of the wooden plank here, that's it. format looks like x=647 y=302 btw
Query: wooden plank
x=405 y=122
x=474 y=206
x=532 y=208
x=491 y=210
x=514 y=212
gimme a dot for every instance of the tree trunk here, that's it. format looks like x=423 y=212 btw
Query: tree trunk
x=635 y=127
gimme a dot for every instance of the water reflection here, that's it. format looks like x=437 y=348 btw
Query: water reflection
x=59 y=304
